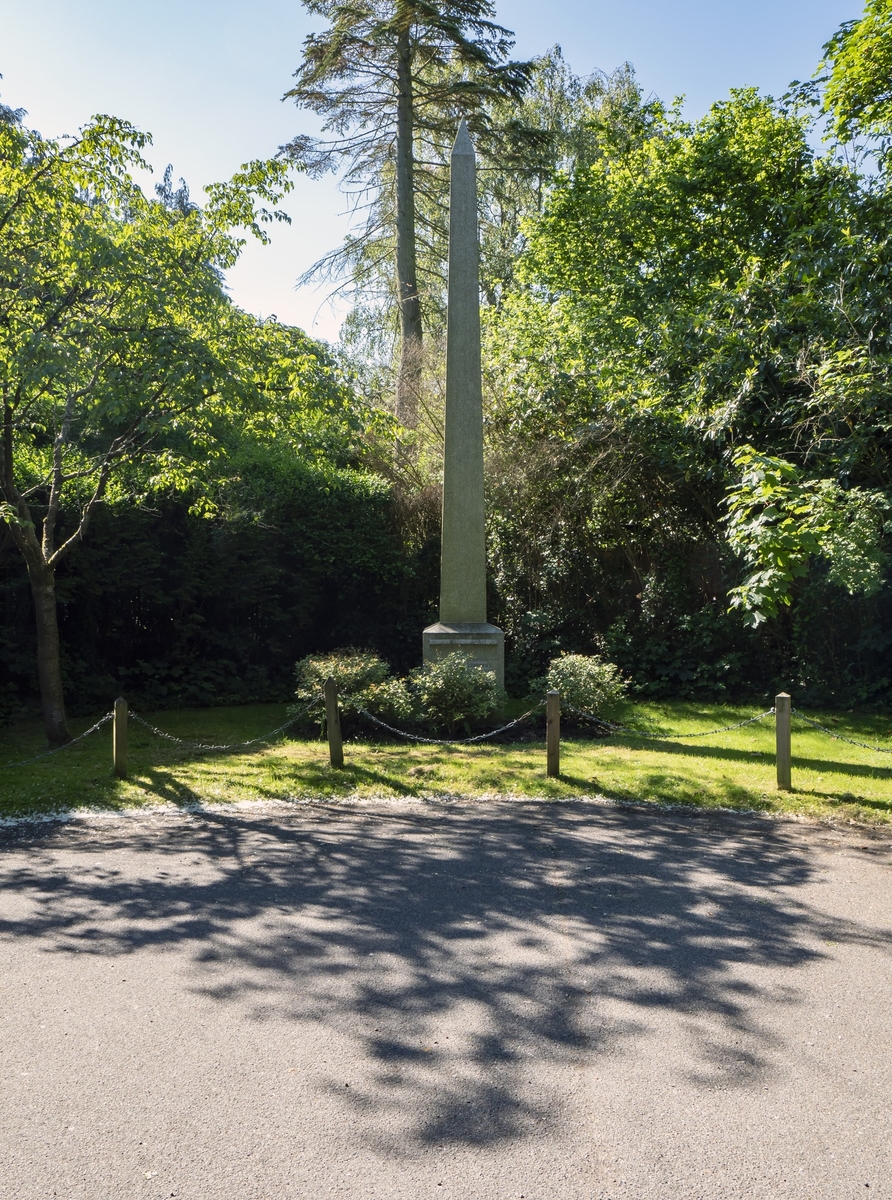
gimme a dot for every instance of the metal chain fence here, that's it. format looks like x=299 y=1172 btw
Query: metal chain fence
x=624 y=731
x=608 y=729
x=67 y=746
x=839 y=736
x=469 y=741
x=267 y=737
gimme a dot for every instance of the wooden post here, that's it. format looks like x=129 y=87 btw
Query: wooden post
x=553 y=735
x=119 y=739
x=333 y=723
x=782 y=707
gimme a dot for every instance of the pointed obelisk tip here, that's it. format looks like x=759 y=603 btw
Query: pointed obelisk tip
x=463 y=143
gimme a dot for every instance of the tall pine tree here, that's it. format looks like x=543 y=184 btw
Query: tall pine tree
x=391 y=79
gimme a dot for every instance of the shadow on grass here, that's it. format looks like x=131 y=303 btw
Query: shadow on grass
x=318 y=780
x=661 y=787
x=517 y=923
x=686 y=750
x=840 y=798
x=664 y=787
x=165 y=788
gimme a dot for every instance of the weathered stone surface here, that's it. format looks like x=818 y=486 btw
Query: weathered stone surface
x=482 y=643
x=463 y=625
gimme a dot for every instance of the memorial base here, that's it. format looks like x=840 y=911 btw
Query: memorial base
x=482 y=643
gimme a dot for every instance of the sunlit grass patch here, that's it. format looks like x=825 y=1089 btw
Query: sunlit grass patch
x=733 y=769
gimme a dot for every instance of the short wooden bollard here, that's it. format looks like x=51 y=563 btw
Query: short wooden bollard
x=333 y=723
x=553 y=735
x=782 y=708
x=119 y=739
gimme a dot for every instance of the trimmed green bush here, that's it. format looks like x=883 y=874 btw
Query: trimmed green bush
x=354 y=671
x=442 y=695
x=586 y=681
x=391 y=700
x=453 y=692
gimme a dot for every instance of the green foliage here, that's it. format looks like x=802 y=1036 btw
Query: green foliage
x=234 y=203
x=170 y=607
x=352 y=670
x=129 y=379
x=118 y=345
x=586 y=681
x=453 y=692
x=698 y=288
x=441 y=695
x=778 y=521
x=392 y=700
x=859 y=87
x=673 y=214
x=363 y=682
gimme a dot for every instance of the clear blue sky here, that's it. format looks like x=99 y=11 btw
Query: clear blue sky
x=206 y=77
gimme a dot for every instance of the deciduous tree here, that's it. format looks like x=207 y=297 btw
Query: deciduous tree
x=115 y=334
x=709 y=286
x=858 y=62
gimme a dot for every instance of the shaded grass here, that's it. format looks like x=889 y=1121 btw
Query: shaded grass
x=734 y=769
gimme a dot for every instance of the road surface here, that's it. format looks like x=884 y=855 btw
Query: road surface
x=547 y=1001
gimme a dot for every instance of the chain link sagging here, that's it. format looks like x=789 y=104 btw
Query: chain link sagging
x=480 y=737
x=840 y=737
x=169 y=737
x=611 y=728
x=66 y=746
x=624 y=731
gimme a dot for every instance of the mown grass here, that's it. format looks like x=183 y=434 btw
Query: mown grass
x=734 y=769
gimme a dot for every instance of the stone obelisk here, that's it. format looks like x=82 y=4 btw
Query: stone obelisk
x=462 y=625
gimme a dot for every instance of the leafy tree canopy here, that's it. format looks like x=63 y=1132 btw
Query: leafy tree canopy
x=858 y=61
x=124 y=367
x=711 y=285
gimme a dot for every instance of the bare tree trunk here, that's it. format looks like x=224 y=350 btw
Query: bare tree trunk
x=408 y=383
x=49 y=663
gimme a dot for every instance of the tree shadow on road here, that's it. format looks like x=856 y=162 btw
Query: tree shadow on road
x=454 y=945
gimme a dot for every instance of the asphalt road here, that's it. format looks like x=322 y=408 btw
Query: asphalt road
x=497 y=1000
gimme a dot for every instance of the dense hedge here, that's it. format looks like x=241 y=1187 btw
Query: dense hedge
x=675 y=638
x=171 y=609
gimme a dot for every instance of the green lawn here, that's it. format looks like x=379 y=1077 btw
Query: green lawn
x=733 y=769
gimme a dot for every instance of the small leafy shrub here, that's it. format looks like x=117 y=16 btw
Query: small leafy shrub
x=586 y=681
x=354 y=671
x=442 y=695
x=453 y=692
x=391 y=701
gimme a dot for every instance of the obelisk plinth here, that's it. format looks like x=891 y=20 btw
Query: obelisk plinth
x=463 y=625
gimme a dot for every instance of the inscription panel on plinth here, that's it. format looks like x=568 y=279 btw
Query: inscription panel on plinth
x=481 y=643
